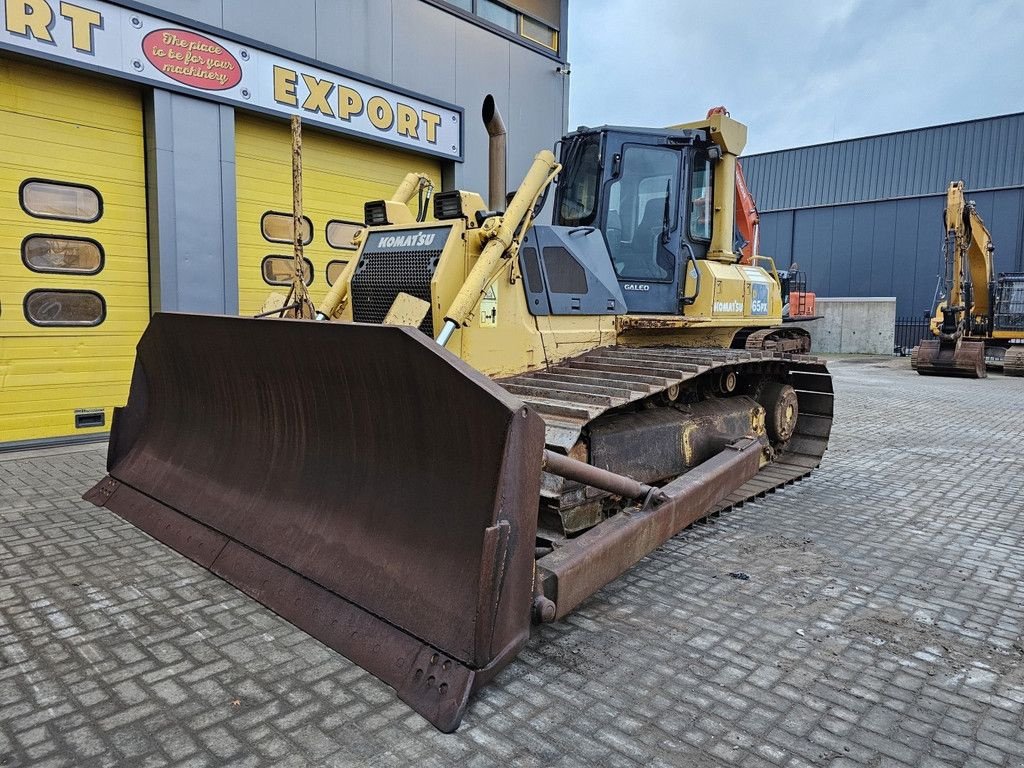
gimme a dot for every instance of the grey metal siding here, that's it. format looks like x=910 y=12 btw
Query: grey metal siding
x=986 y=153
x=191 y=204
x=425 y=41
x=369 y=53
x=886 y=248
x=864 y=217
x=290 y=26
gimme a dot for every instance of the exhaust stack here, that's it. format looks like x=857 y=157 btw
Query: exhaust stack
x=496 y=184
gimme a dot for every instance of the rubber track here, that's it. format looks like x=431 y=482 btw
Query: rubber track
x=578 y=390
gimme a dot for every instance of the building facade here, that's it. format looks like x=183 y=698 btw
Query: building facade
x=864 y=217
x=146 y=161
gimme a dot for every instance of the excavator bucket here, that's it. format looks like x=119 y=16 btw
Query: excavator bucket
x=966 y=359
x=358 y=480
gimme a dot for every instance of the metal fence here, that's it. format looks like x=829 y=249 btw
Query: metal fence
x=909 y=332
x=1009 y=304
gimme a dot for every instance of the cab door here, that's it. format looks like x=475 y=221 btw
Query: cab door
x=642 y=224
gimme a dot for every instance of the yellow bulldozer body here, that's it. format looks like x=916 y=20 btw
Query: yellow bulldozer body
x=416 y=496
x=502 y=338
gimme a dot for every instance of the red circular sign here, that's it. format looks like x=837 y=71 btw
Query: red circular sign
x=192 y=59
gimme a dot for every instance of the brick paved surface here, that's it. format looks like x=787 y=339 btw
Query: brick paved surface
x=880 y=625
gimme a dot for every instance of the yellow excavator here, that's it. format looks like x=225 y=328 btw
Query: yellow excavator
x=978 y=316
x=489 y=419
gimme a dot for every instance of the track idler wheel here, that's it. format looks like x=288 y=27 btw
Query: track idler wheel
x=781 y=412
x=727 y=382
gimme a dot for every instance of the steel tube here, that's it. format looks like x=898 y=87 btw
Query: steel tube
x=446 y=332
x=581 y=566
x=588 y=474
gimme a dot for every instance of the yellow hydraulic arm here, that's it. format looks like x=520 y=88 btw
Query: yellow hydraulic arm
x=504 y=233
x=968 y=250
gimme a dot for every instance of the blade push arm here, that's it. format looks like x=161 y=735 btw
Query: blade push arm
x=503 y=231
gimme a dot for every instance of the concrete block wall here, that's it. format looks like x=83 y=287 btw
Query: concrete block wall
x=853 y=325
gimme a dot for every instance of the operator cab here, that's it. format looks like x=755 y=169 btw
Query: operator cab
x=649 y=195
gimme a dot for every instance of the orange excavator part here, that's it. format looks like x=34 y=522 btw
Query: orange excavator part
x=802 y=304
x=747 y=221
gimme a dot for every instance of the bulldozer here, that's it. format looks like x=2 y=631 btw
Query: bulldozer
x=488 y=418
x=979 y=318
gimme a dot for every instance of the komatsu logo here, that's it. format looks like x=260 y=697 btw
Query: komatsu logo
x=728 y=306
x=636 y=287
x=414 y=240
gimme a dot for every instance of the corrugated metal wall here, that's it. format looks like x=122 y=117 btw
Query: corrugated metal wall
x=864 y=217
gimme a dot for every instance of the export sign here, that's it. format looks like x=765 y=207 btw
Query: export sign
x=102 y=36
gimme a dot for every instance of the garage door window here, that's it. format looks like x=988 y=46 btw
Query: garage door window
x=340 y=234
x=60 y=200
x=64 y=308
x=53 y=253
x=277 y=228
x=280 y=270
x=334 y=270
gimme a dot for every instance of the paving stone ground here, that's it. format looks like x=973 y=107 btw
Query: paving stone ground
x=881 y=625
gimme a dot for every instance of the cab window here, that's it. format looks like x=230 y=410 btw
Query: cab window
x=642 y=205
x=579 y=183
x=701 y=196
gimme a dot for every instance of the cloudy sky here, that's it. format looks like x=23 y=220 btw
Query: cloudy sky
x=796 y=71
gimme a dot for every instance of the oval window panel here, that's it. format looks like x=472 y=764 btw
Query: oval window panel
x=47 y=253
x=334 y=270
x=64 y=308
x=277 y=228
x=280 y=270
x=54 y=200
x=340 y=234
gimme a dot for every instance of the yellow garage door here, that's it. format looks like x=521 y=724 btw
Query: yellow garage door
x=74 y=293
x=339 y=176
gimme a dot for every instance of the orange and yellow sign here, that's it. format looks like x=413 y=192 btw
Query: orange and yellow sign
x=192 y=59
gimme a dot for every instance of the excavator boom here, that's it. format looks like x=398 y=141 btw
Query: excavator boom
x=963 y=319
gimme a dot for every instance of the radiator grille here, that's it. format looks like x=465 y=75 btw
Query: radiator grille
x=383 y=274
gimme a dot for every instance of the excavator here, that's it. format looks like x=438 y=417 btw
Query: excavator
x=488 y=419
x=978 y=315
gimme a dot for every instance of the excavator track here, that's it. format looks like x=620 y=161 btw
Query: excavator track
x=1013 y=362
x=575 y=392
x=795 y=340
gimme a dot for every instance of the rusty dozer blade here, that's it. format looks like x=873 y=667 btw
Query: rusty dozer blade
x=964 y=358
x=358 y=480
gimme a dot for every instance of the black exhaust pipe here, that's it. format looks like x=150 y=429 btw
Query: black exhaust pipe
x=496 y=184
